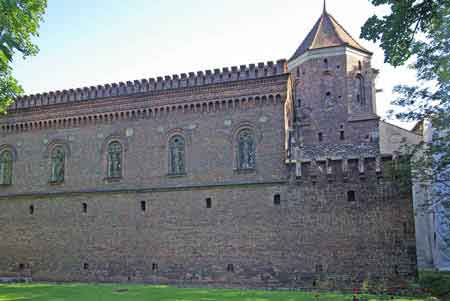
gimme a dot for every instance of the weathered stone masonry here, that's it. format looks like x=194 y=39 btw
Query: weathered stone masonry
x=313 y=206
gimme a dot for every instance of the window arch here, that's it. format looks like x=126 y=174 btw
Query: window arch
x=58 y=160
x=177 y=162
x=361 y=95
x=115 y=151
x=6 y=166
x=246 y=150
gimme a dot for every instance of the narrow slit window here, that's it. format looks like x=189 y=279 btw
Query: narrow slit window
x=143 y=206
x=84 y=208
x=319 y=268
x=31 y=209
x=342 y=135
x=154 y=266
x=230 y=268
x=351 y=196
x=208 y=203
x=320 y=137
x=277 y=200
x=85 y=266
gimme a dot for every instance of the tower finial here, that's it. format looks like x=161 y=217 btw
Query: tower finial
x=324 y=6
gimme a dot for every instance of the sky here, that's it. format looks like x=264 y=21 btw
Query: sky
x=91 y=42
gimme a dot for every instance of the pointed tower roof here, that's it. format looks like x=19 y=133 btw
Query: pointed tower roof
x=327 y=32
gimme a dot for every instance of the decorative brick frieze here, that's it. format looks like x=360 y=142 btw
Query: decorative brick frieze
x=204 y=107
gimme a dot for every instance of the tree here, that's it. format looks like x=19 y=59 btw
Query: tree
x=19 y=23
x=418 y=32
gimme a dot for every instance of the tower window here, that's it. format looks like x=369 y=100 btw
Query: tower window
x=208 y=203
x=359 y=66
x=342 y=135
x=325 y=63
x=21 y=266
x=277 y=200
x=320 y=137
x=154 y=266
x=143 y=206
x=360 y=97
x=230 y=268
x=31 y=209
x=177 y=151
x=114 y=159
x=84 y=208
x=246 y=150
x=85 y=266
x=351 y=196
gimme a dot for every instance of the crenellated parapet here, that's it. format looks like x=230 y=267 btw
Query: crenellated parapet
x=345 y=168
x=191 y=79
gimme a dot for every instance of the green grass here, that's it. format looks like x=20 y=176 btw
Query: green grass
x=108 y=292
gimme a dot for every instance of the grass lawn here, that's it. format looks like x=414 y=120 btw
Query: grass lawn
x=109 y=292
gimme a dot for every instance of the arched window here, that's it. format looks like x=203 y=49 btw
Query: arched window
x=177 y=163
x=6 y=164
x=361 y=95
x=246 y=150
x=114 y=160
x=58 y=158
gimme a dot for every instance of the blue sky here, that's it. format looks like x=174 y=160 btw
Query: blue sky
x=85 y=43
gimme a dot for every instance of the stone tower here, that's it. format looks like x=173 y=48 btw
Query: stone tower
x=334 y=94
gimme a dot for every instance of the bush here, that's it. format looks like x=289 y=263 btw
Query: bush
x=437 y=283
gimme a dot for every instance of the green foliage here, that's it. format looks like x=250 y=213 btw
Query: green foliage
x=438 y=283
x=111 y=292
x=399 y=172
x=397 y=31
x=418 y=31
x=19 y=23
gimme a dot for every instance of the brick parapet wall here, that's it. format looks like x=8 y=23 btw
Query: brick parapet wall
x=244 y=72
x=226 y=97
x=314 y=237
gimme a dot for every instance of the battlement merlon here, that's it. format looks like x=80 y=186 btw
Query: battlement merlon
x=201 y=78
x=329 y=165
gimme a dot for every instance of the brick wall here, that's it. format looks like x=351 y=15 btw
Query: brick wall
x=315 y=237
